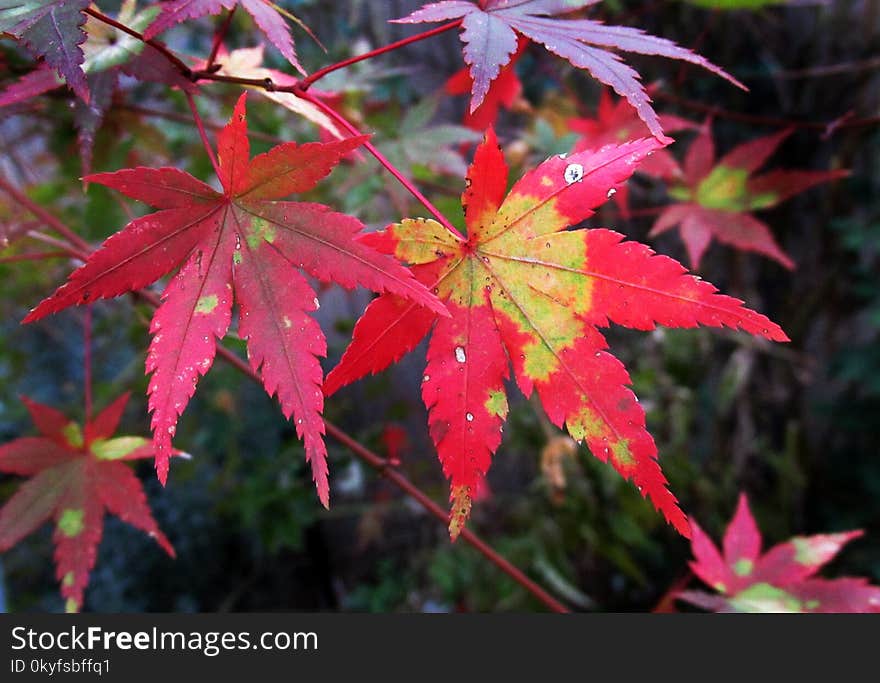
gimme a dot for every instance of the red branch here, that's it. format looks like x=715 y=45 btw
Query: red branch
x=34 y=256
x=307 y=82
x=218 y=38
x=38 y=211
x=392 y=169
x=202 y=134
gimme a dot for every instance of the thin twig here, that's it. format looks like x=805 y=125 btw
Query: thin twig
x=183 y=118
x=391 y=168
x=307 y=82
x=763 y=120
x=218 y=38
x=38 y=211
x=34 y=256
x=298 y=89
x=202 y=134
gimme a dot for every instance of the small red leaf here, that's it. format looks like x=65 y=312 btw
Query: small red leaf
x=780 y=580
x=73 y=485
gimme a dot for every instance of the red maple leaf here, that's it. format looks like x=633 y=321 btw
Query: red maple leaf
x=492 y=28
x=617 y=122
x=503 y=92
x=523 y=289
x=76 y=476
x=247 y=241
x=780 y=580
x=264 y=12
x=717 y=199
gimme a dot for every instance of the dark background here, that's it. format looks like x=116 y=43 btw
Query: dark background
x=795 y=426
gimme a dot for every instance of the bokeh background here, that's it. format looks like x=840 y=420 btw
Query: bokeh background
x=796 y=426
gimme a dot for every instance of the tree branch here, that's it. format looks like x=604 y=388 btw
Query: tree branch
x=307 y=82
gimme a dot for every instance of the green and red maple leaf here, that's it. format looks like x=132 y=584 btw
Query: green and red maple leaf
x=524 y=290
x=244 y=244
x=491 y=30
x=76 y=476
x=716 y=199
x=781 y=580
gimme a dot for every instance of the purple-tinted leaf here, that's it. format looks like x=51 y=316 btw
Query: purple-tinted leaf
x=30 y=85
x=581 y=41
x=88 y=116
x=439 y=11
x=489 y=44
x=52 y=30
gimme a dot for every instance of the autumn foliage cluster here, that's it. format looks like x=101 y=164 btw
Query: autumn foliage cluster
x=514 y=298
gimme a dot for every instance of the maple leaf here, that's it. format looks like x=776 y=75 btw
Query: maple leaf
x=618 y=122
x=504 y=91
x=76 y=476
x=491 y=28
x=52 y=30
x=265 y=13
x=525 y=290
x=717 y=199
x=243 y=239
x=780 y=580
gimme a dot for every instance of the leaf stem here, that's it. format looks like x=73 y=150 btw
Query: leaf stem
x=391 y=168
x=306 y=83
x=202 y=134
x=34 y=256
x=222 y=30
x=49 y=219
